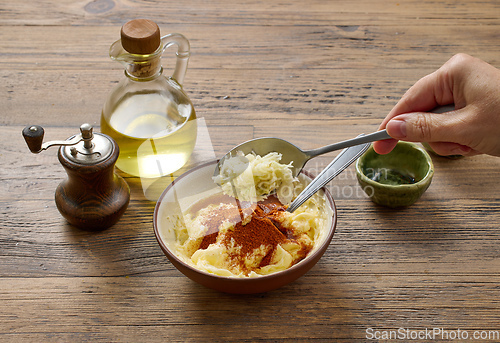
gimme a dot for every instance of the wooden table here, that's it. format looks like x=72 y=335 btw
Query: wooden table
x=313 y=72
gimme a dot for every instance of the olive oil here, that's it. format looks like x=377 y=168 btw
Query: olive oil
x=154 y=141
x=149 y=115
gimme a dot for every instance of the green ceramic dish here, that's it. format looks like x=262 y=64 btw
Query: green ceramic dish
x=397 y=179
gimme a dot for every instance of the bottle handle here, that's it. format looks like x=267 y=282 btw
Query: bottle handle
x=183 y=53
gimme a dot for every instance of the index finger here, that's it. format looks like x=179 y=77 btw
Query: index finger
x=426 y=94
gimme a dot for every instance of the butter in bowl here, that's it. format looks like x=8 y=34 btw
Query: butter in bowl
x=397 y=179
x=244 y=244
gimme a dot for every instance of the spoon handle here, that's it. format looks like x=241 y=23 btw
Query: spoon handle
x=372 y=137
x=341 y=162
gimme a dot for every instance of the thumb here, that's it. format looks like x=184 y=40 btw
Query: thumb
x=444 y=131
x=426 y=127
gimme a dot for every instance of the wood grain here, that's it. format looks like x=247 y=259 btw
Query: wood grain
x=312 y=73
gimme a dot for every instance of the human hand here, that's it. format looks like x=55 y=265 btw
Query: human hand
x=472 y=128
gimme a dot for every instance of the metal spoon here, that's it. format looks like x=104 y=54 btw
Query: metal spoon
x=291 y=153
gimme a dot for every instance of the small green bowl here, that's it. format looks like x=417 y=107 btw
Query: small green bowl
x=396 y=179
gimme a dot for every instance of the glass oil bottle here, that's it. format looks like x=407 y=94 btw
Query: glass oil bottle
x=149 y=116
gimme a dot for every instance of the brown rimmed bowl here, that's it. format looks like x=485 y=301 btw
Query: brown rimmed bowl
x=197 y=184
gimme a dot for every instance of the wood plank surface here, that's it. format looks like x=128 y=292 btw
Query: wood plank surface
x=310 y=72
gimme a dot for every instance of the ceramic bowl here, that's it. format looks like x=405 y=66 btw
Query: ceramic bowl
x=397 y=179
x=197 y=184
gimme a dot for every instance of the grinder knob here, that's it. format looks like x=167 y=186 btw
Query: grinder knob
x=33 y=135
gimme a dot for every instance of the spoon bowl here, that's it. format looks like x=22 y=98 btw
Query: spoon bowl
x=291 y=153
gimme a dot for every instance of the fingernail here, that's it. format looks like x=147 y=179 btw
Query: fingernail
x=396 y=128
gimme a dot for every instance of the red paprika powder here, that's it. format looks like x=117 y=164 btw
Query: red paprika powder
x=264 y=229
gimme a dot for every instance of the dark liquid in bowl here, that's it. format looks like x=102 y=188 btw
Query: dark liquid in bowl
x=391 y=177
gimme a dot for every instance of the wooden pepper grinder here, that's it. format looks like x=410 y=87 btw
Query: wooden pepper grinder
x=93 y=197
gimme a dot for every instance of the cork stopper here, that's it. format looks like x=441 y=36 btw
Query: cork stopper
x=140 y=36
